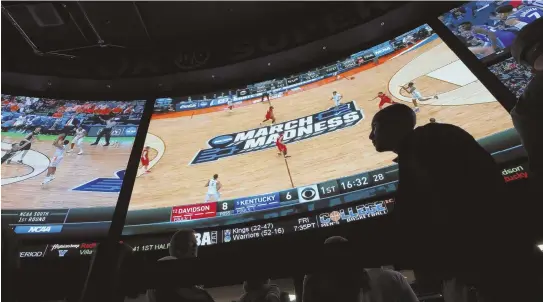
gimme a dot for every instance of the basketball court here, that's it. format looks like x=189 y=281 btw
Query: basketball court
x=21 y=183
x=176 y=138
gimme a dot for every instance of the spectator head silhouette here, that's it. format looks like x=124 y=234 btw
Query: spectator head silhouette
x=335 y=239
x=183 y=244
x=255 y=284
x=338 y=283
x=527 y=48
x=259 y=290
x=390 y=126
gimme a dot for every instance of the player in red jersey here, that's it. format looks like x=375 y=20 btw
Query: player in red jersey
x=145 y=159
x=385 y=99
x=269 y=116
x=281 y=146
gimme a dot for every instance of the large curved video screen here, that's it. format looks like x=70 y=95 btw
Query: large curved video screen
x=226 y=142
x=64 y=160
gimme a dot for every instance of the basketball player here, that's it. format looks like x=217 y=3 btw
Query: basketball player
x=432 y=120
x=213 y=188
x=417 y=96
x=269 y=116
x=56 y=160
x=385 y=99
x=230 y=103
x=25 y=145
x=520 y=18
x=266 y=95
x=80 y=133
x=10 y=152
x=495 y=39
x=60 y=138
x=336 y=97
x=281 y=146
x=145 y=159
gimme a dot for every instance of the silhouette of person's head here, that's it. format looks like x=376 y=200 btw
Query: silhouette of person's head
x=255 y=284
x=346 y=283
x=390 y=126
x=183 y=244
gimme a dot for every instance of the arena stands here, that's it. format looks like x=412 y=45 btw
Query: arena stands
x=21 y=114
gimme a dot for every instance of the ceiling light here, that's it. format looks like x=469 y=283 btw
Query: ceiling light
x=382 y=23
x=540 y=246
x=292 y=297
x=324 y=47
x=269 y=64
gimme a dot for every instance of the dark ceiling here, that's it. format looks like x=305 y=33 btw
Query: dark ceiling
x=112 y=41
x=88 y=33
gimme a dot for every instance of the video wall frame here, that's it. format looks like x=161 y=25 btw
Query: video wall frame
x=252 y=91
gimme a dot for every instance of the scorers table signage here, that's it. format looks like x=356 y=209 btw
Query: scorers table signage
x=320 y=123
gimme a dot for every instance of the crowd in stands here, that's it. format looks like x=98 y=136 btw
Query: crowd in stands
x=514 y=76
x=22 y=114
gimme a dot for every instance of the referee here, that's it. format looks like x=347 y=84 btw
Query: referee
x=110 y=123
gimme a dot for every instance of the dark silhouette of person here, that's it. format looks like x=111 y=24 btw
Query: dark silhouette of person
x=260 y=290
x=451 y=205
x=356 y=284
x=183 y=245
x=10 y=264
x=529 y=108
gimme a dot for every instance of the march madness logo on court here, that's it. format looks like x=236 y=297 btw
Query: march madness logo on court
x=347 y=115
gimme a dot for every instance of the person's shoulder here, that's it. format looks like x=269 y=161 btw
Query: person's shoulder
x=385 y=274
x=440 y=130
x=392 y=281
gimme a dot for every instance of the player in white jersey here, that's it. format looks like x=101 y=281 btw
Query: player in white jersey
x=80 y=134
x=417 y=96
x=230 y=103
x=336 y=97
x=213 y=188
x=56 y=160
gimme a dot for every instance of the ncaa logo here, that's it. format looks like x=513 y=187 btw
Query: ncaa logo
x=221 y=140
x=309 y=193
x=131 y=131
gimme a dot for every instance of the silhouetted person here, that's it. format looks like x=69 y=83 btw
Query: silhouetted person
x=346 y=283
x=260 y=290
x=183 y=245
x=528 y=112
x=450 y=204
x=10 y=264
